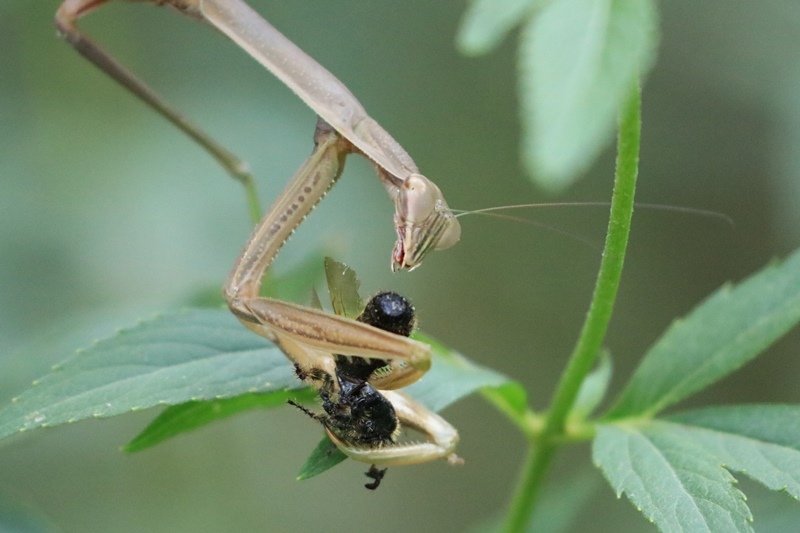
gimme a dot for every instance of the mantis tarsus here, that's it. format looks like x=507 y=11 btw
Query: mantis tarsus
x=422 y=219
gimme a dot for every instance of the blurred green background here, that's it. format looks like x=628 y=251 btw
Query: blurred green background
x=108 y=214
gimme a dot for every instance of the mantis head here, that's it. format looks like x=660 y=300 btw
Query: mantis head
x=423 y=222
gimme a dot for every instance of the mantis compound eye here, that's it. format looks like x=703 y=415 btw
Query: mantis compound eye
x=451 y=233
x=420 y=198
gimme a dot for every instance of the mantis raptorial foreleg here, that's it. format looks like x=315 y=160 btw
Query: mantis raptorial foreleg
x=423 y=220
x=442 y=437
x=296 y=327
x=313 y=339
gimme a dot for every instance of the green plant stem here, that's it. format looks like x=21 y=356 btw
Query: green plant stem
x=596 y=324
x=253 y=206
x=524 y=499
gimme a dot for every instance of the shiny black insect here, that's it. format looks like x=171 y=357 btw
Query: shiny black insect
x=354 y=410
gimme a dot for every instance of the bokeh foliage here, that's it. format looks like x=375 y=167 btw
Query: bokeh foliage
x=109 y=216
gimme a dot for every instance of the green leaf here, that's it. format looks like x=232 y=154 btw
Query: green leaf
x=676 y=483
x=452 y=377
x=578 y=60
x=723 y=333
x=324 y=457
x=678 y=460
x=487 y=22
x=511 y=400
x=761 y=441
x=185 y=417
x=593 y=389
x=172 y=359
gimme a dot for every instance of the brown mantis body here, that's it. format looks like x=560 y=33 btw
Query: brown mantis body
x=422 y=218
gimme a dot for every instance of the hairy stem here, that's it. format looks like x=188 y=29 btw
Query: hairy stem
x=595 y=326
x=253 y=206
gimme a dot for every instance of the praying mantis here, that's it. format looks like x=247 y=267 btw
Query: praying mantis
x=311 y=338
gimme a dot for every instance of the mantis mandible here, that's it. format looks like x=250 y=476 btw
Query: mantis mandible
x=423 y=221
